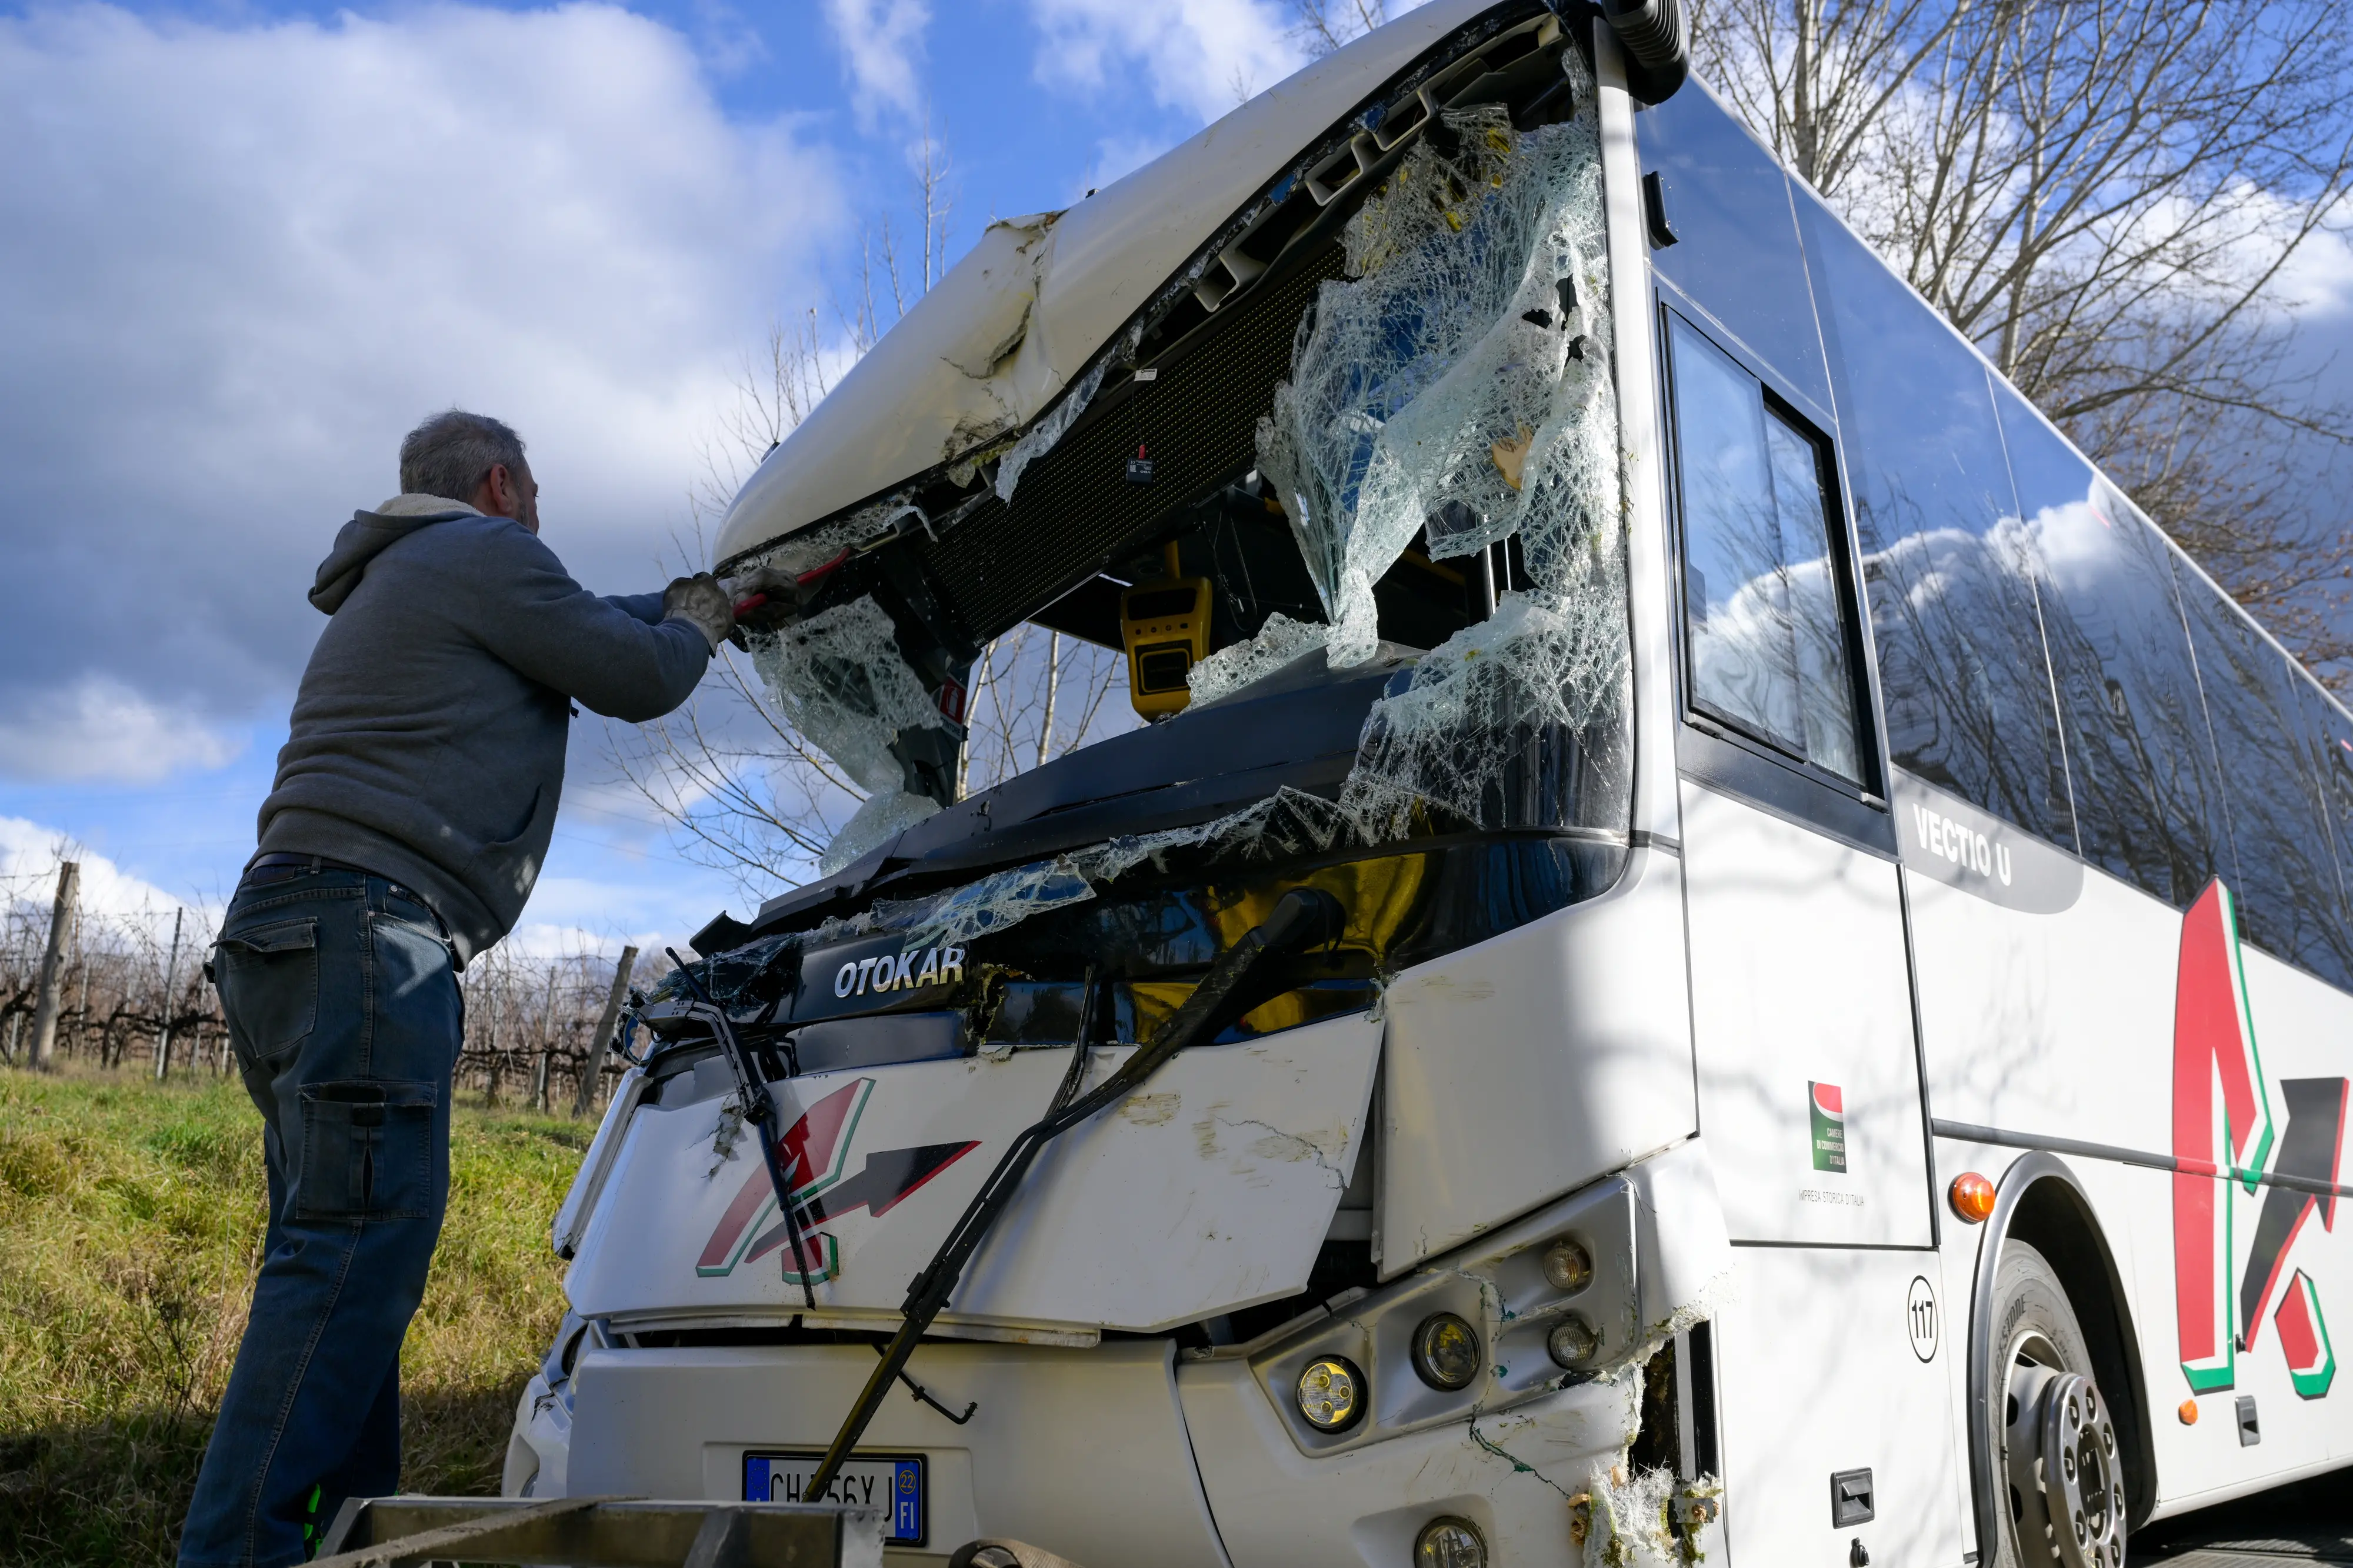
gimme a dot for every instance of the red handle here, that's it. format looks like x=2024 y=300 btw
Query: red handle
x=745 y=607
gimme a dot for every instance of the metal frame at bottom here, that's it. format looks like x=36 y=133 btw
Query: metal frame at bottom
x=600 y=1533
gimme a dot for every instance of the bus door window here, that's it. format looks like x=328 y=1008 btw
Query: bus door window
x=1766 y=625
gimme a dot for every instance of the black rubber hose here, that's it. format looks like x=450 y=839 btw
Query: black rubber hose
x=1302 y=918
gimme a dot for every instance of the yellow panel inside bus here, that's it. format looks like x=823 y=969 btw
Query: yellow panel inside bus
x=1165 y=628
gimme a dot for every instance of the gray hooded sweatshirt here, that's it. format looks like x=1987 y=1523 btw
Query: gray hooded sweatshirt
x=427 y=738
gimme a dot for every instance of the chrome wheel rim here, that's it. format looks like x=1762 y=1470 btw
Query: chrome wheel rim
x=2061 y=1461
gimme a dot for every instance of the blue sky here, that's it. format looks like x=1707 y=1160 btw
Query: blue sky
x=244 y=247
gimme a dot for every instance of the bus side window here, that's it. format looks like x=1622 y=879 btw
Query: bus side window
x=1962 y=678
x=2285 y=868
x=2333 y=766
x=2148 y=801
x=1764 y=623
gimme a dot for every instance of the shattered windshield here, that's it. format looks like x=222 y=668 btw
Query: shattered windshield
x=1396 y=614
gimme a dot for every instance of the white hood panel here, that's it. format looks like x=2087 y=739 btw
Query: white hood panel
x=1208 y=1190
x=1020 y=316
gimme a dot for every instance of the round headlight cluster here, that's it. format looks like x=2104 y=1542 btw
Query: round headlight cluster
x=1567 y=1267
x=1446 y=1352
x=1449 y=1543
x=1331 y=1394
x=1572 y=1341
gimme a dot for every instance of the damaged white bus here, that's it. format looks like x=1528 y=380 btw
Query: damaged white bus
x=1713 y=948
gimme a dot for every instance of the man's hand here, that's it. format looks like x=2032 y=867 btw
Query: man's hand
x=701 y=600
x=781 y=586
x=767 y=596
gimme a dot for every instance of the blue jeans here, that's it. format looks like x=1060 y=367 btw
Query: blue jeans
x=344 y=1013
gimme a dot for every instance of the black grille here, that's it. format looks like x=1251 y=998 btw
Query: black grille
x=1075 y=512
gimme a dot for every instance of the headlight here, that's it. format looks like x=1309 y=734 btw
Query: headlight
x=1446 y=1352
x=1572 y=1341
x=1446 y=1542
x=1331 y=1394
x=1567 y=1267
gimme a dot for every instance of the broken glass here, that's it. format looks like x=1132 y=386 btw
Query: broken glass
x=1286 y=825
x=1455 y=387
x=1042 y=436
x=1227 y=670
x=812 y=548
x=840 y=681
x=1458 y=383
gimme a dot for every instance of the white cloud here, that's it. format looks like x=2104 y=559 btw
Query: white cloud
x=29 y=854
x=1196 y=57
x=2318 y=281
x=237 y=262
x=101 y=728
x=881 y=44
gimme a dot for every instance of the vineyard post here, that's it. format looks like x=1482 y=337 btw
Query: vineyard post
x=602 y=1041
x=170 y=978
x=45 y=1008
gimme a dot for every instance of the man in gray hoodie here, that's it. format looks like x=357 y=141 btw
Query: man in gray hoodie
x=414 y=803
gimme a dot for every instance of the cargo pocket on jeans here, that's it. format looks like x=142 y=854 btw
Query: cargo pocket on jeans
x=269 y=981
x=367 y=1150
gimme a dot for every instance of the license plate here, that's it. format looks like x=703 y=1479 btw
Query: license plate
x=891 y=1483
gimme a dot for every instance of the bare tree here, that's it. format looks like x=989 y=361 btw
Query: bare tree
x=112 y=989
x=2106 y=195
x=1323 y=26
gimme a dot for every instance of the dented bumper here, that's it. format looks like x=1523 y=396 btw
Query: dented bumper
x=1123 y=1454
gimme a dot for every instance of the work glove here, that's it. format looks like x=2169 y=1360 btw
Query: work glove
x=703 y=602
x=767 y=596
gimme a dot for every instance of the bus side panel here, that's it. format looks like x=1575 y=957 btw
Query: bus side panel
x=2060 y=1023
x=2301 y=1027
x=1525 y=1067
x=1818 y=1376
x=2056 y=1022
x=1801 y=1022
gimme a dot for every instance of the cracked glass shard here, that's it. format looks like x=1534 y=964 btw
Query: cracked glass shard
x=1459 y=387
x=1278 y=642
x=1645 y=1519
x=1535 y=689
x=812 y=548
x=1286 y=825
x=1459 y=381
x=1042 y=435
x=841 y=682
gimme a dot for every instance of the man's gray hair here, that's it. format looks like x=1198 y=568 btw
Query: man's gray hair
x=452 y=453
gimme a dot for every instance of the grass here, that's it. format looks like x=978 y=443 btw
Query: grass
x=131 y=1222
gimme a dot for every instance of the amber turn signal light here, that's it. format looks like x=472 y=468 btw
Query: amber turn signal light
x=1972 y=1197
x=2189 y=1413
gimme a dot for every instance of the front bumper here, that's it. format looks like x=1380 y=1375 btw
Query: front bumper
x=1118 y=1456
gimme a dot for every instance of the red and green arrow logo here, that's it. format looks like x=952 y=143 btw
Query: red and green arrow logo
x=817 y=1151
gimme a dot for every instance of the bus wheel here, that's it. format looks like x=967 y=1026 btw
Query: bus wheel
x=2059 y=1459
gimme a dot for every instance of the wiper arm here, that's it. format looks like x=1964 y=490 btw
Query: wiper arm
x=759 y=1109
x=1301 y=918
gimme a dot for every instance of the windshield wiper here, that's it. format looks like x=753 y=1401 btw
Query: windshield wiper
x=1302 y=918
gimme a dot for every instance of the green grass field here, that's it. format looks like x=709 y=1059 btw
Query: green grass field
x=131 y=1221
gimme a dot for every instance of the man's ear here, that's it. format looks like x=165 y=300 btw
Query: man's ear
x=499 y=496
x=485 y=499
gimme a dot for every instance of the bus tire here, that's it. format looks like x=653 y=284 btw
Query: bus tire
x=2056 y=1453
